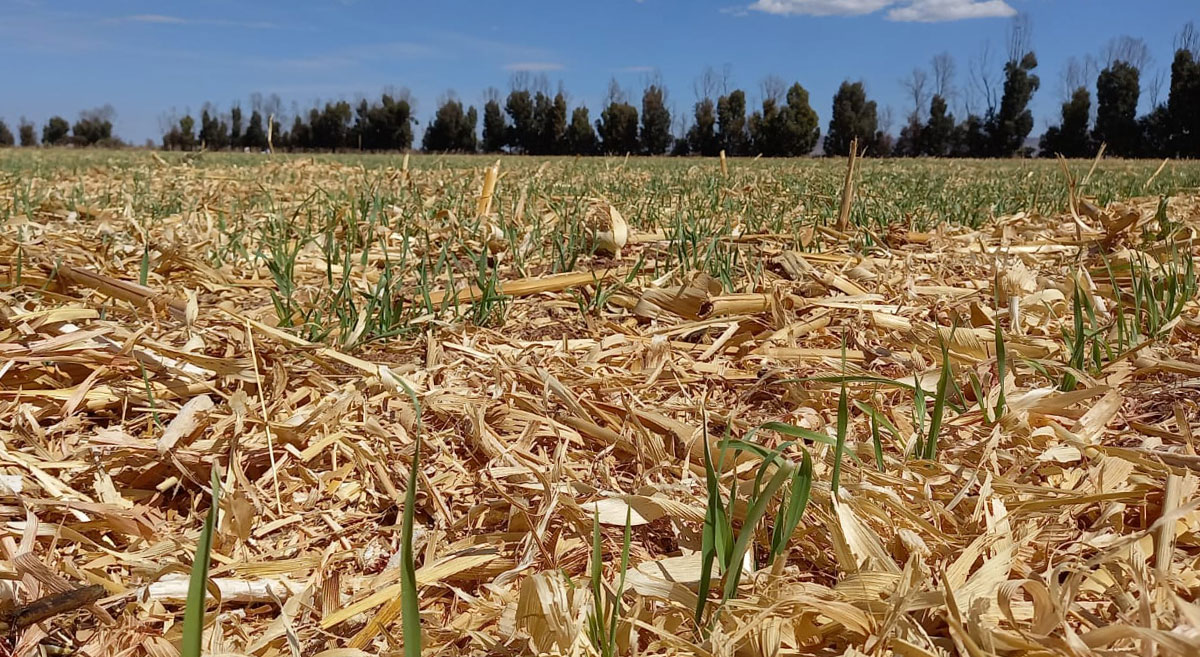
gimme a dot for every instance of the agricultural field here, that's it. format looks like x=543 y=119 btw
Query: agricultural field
x=452 y=405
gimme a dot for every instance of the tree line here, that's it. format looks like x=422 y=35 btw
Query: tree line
x=1170 y=129
x=94 y=127
x=531 y=120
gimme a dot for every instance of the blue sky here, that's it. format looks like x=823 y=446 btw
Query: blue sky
x=149 y=58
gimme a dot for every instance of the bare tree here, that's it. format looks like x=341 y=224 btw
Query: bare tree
x=168 y=120
x=615 y=95
x=917 y=86
x=707 y=85
x=1154 y=87
x=726 y=78
x=981 y=81
x=943 y=75
x=541 y=84
x=886 y=120
x=398 y=94
x=1126 y=49
x=1020 y=37
x=773 y=88
x=519 y=81
x=679 y=122
x=273 y=105
x=654 y=79
x=491 y=94
x=1188 y=39
x=1077 y=73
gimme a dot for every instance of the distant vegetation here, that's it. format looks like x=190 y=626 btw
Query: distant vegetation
x=996 y=119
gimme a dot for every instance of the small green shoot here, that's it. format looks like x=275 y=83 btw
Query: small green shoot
x=606 y=615
x=1001 y=372
x=193 y=613
x=939 y=406
x=410 y=609
x=728 y=549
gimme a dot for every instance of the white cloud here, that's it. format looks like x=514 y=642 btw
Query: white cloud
x=534 y=66
x=932 y=11
x=153 y=18
x=820 y=7
x=346 y=58
x=924 y=11
x=163 y=19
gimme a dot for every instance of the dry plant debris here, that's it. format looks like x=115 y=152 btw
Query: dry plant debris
x=574 y=335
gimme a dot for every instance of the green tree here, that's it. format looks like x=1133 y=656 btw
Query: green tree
x=299 y=138
x=6 y=135
x=494 y=127
x=702 y=136
x=331 y=130
x=360 y=132
x=853 y=116
x=801 y=127
x=54 y=133
x=731 y=124
x=390 y=124
x=522 y=130
x=214 y=133
x=618 y=128
x=1070 y=137
x=235 y=126
x=971 y=138
x=94 y=126
x=1183 y=101
x=187 y=133
x=1155 y=128
x=764 y=128
x=452 y=129
x=28 y=136
x=911 y=139
x=581 y=137
x=467 y=139
x=1013 y=122
x=208 y=125
x=656 y=121
x=1117 y=90
x=256 y=135
x=550 y=121
x=938 y=134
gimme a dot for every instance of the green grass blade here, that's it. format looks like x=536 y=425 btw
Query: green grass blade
x=193 y=614
x=843 y=422
x=799 y=432
x=980 y=398
x=616 y=605
x=596 y=617
x=410 y=609
x=793 y=507
x=876 y=442
x=939 y=406
x=847 y=378
x=1001 y=371
x=746 y=535
x=919 y=412
x=708 y=538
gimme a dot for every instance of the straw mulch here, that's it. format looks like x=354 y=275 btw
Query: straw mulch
x=1068 y=527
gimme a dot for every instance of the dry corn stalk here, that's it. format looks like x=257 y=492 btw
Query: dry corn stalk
x=490 y=175
x=843 y=222
x=612 y=233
